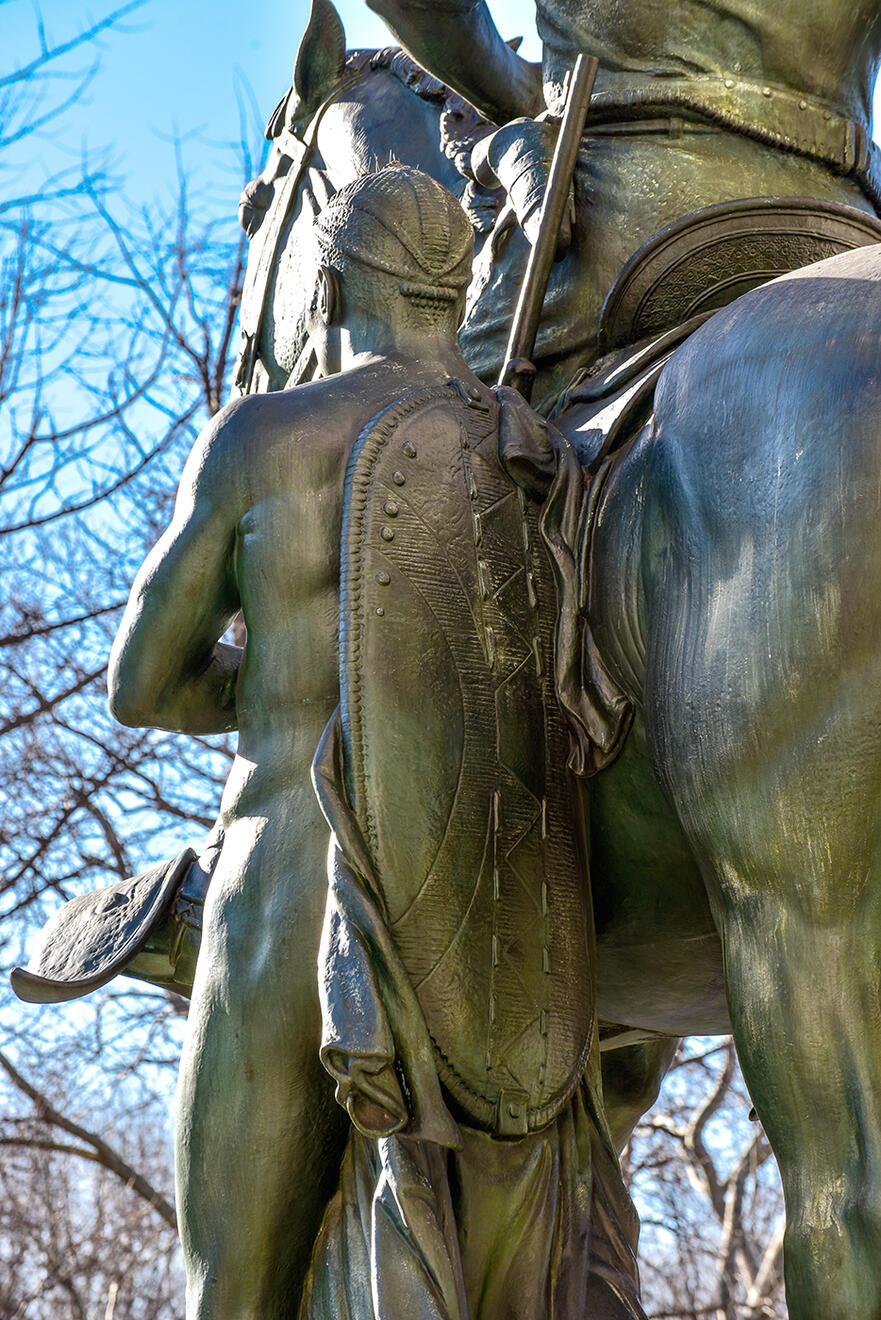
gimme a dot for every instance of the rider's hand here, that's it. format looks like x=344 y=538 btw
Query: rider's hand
x=518 y=157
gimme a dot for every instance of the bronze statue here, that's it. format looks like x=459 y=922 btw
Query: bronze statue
x=257 y=526
x=716 y=551
x=675 y=132
x=456 y=964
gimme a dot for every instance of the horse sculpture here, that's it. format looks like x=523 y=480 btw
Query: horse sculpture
x=733 y=590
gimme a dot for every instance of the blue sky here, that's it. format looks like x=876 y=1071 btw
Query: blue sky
x=175 y=66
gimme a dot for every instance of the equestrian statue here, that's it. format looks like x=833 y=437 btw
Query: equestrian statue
x=586 y=671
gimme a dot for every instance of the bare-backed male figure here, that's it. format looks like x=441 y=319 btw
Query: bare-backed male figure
x=257 y=527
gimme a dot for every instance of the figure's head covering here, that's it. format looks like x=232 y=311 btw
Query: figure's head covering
x=401 y=222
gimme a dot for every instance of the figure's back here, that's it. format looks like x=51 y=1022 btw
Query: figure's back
x=828 y=49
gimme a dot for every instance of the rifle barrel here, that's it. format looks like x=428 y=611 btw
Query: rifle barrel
x=518 y=370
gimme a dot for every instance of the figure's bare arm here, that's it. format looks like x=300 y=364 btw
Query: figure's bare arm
x=168 y=668
x=459 y=43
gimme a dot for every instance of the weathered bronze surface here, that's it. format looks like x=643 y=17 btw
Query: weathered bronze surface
x=710 y=505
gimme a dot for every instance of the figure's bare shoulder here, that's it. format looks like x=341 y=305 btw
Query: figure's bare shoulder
x=300 y=438
x=256 y=422
x=243 y=446
x=307 y=430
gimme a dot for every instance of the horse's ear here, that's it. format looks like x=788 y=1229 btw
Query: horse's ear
x=320 y=60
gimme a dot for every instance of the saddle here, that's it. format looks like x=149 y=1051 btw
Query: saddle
x=704 y=261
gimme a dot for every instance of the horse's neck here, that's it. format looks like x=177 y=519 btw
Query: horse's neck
x=379 y=121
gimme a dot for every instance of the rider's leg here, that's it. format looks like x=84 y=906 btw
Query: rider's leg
x=259 y=1136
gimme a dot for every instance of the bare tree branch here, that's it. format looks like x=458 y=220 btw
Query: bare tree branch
x=104 y=1152
x=50 y=53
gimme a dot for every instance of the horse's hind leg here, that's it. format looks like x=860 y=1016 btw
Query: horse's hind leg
x=793 y=859
x=761 y=565
x=769 y=741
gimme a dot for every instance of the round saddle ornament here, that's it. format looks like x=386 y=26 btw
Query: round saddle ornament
x=704 y=261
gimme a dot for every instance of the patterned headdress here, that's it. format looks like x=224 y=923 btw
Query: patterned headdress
x=401 y=222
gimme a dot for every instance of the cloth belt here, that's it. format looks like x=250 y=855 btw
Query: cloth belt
x=790 y=121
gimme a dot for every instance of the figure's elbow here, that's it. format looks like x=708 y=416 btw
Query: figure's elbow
x=127 y=705
x=130 y=695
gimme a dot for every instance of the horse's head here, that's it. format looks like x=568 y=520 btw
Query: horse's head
x=319 y=71
x=345 y=114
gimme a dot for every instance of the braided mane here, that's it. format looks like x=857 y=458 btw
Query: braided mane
x=405 y=69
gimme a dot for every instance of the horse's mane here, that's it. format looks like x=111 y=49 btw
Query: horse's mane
x=405 y=69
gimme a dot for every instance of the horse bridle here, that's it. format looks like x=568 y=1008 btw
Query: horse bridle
x=258 y=276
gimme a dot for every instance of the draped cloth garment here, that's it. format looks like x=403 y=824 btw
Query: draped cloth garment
x=447 y=1222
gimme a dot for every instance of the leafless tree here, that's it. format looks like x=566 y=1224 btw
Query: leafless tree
x=709 y=1195
x=117 y=330
x=83 y=1231
x=117 y=333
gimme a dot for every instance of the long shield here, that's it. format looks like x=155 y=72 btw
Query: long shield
x=456 y=752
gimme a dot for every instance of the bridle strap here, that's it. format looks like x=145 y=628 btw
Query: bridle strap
x=258 y=277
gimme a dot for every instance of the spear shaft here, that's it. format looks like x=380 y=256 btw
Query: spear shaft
x=519 y=371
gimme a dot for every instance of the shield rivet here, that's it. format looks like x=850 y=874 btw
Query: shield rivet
x=383 y=578
x=409 y=448
x=391 y=508
x=380 y=611
x=386 y=533
x=398 y=478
